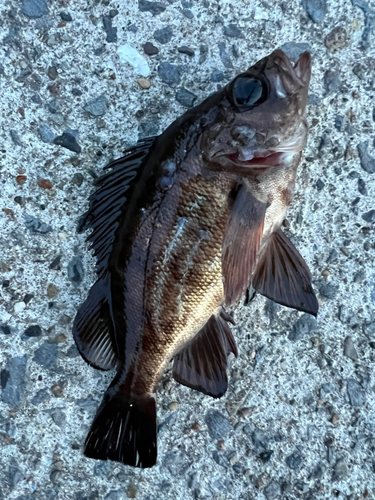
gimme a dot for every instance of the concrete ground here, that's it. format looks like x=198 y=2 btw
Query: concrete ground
x=297 y=420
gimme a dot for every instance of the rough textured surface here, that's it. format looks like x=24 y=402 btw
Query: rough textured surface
x=298 y=418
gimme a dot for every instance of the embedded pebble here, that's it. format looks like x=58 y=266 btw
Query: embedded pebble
x=76 y=270
x=316 y=9
x=34 y=8
x=272 y=490
x=294 y=461
x=46 y=354
x=217 y=76
x=169 y=73
x=97 y=106
x=328 y=291
x=337 y=39
x=356 y=393
x=186 y=50
x=219 y=426
x=36 y=225
x=5 y=329
x=41 y=396
x=144 y=83
x=203 y=53
x=46 y=134
x=15 y=137
x=349 y=349
x=340 y=470
x=362 y=187
x=33 y=331
x=331 y=82
x=65 y=16
x=163 y=35
x=188 y=13
x=68 y=140
x=150 y=49
x=233 y=31
x=305 y=325
x=225 y=56
x=367 y=162
x=185 y=97
x=130 y=55
x=155 y=8
x=369 y=216
x=110 y=30
x=19 y=307
x=173 y=406
x=13 y=380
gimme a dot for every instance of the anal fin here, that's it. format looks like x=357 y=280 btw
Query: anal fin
x=282 y=275
x=93 y=328
x=202 y=363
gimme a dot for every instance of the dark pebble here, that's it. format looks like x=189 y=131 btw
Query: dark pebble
x=13 y=380
x=317 y=471
x=59 y=417
x=15 y=476
x=219 y=459
x=65 y=16
x=46 y=134
x=319 y=184
x=40 y=396
x=36 y=99
x=272 y=490
x=235 y=53
x=186 y=50
x=367 y=162
x=218 y=425
x=5 y=329
x=349 y=349
x=339 y=123
x=150 y=49
x=169 y=73
x=113 y=13
x=258 y=437
x=110 y=30
x=217 y=76
x=332 y=256
x=362 y=187
x=77 y=179
x=233 y=31
x=72 y=352
x=356 y=393
x=28 y=297
x=53 y=106
x=89 y=404
x=133 y=28
x=340 y=470
x=225 y=56
x=163 y=35
x=294 y=49
x=328 y=291
x=148 y=129
x=52 y=73
x=359 y=276
x=56 y=263
x=36 y=225
x=369 y=21
x=34 y=8
x=238 y=468
x=203 y=53
x=331 y=81
x=46 y=354
x=369 y=216
x=15 y=137
x=266 y=456
x=97 y=107
x=188 y=13
x=185 y=97
x=68 y=140
x=75 y=270
x=33 y=331
x=316 y=9
x=304 y=326
x=155 y=8
x=294 y=461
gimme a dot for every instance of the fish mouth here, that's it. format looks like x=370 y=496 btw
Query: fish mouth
x=258 y=163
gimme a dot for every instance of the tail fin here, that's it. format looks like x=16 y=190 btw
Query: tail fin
x=124 y=430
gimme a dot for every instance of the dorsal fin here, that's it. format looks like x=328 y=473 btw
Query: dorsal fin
x=106 y=204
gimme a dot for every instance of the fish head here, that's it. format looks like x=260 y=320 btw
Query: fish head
x=261 y=119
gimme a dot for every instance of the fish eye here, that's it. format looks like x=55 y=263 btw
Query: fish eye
x=248 y=91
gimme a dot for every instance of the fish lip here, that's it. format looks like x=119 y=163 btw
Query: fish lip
x=272 y=159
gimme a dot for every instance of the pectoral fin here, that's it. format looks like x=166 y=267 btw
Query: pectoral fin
x=282 y=275
x=241 y=243
x=202 y=363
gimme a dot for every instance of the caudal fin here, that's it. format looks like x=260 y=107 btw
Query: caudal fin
x=124 y=430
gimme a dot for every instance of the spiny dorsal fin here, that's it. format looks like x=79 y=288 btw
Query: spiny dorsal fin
x=282 y=275
x=202 y=363
x=106 y=204
x=242 y=238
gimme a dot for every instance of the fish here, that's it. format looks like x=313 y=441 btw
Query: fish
x=182 y=227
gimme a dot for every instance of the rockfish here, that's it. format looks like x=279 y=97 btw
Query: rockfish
x=182 y=225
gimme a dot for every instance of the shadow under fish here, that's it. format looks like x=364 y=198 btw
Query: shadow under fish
x=182 y=225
